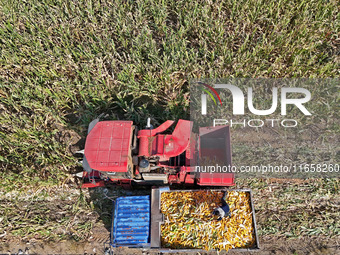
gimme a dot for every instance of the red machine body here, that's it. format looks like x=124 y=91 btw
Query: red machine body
x=108 y=146
x=116 y=152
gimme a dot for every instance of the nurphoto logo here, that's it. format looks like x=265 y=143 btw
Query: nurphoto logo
x=238 y=102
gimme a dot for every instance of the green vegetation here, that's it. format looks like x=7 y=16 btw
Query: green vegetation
x=62 y=63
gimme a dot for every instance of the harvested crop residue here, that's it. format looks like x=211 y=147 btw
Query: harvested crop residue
x=189 y=222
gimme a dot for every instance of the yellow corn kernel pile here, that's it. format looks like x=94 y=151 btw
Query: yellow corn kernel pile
x=189 y=223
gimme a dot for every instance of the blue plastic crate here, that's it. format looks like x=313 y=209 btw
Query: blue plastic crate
x=131 y=223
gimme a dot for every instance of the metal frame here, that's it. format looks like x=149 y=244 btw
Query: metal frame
x=155 y=232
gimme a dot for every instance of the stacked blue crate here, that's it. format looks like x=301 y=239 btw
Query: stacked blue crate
x=131 y=224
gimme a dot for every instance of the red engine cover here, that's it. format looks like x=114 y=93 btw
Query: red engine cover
x=107 y=146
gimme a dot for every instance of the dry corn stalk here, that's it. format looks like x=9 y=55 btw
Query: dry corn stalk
x=189 y=222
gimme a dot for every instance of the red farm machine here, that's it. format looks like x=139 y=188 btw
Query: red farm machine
x=116 y=152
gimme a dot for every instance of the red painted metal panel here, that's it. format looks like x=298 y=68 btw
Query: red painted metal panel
x=215 y=144
x=178 y=142
x=151 y=143
x=107 y=146
x=99 y=183
x=215 y=150
x=216 y=179
x=158 y=145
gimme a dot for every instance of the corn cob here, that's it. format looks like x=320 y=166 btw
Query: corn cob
x=189 y=222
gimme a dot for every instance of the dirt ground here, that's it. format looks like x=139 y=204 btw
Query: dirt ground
x=274 y=212
x=268 y=245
